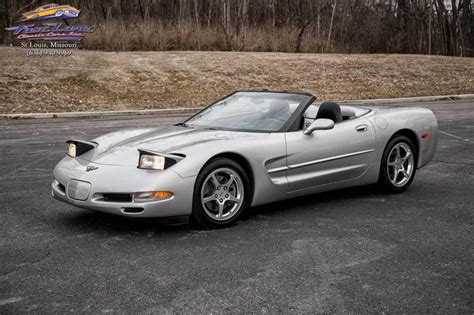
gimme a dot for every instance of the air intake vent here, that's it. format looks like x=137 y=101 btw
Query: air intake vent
x=132 y=210
x=117 y=197
x=61 y=187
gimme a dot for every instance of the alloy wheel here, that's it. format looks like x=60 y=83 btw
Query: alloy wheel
x=222 y=194
x=400 y=164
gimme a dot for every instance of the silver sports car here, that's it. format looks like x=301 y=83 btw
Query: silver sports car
x=247 y=149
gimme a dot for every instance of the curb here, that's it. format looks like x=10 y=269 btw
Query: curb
x=410 y=99
x=164 y=112
x=192 y=110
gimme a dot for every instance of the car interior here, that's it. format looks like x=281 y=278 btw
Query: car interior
x=271 y=114
x=330 y=110
x=280 y=110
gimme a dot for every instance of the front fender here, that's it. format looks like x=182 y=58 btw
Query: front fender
x=261 y=153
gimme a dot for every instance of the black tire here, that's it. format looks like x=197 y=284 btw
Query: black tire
x=385 y=183
x=199 y=218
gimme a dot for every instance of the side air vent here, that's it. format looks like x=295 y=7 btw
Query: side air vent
x=179 y=154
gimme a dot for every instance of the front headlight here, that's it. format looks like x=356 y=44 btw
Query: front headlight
x=71 y=150
x=78 y=147
x=153 y=162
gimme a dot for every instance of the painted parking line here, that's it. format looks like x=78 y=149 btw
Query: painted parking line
x=456 y=137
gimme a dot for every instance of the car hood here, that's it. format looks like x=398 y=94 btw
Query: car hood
x=121 y=147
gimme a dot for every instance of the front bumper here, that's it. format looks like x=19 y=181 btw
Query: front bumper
x=124 y=181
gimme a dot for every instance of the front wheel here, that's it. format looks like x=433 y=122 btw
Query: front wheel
x=398 y=166
x=221 y=194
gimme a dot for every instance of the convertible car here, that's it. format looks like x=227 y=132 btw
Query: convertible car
x=247 y=149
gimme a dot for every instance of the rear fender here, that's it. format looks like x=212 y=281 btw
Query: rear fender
x=420 y=121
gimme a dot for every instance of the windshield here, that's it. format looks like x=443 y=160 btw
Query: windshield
x=253 y=111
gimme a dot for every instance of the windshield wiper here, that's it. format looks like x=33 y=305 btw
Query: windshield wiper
x=183 y=125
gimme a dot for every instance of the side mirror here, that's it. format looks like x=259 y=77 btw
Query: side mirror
x=319 y=124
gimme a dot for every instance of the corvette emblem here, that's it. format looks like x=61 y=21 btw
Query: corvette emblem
x=91 y=168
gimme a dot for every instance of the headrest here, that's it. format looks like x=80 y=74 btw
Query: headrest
x=330 y=110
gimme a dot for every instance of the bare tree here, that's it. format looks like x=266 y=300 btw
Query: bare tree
x=371 y=26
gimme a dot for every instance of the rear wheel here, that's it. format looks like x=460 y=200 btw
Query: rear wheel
x=221 y=194
x=398 y=165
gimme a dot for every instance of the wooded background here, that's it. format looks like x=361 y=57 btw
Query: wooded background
x=360 y=26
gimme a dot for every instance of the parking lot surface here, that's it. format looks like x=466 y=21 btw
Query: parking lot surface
x=354 y=250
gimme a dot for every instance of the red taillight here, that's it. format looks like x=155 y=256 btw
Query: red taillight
x=425 y=135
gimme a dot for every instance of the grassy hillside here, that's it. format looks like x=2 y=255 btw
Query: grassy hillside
x=92 y=80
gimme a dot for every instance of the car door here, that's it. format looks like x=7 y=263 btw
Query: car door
x=328 y=156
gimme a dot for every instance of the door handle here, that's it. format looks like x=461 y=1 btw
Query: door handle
x=362 y=128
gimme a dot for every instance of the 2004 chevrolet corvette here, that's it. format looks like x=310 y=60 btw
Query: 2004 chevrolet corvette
x=247 y=149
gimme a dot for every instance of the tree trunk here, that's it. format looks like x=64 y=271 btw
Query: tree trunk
x=453 y=28
x=209 y=14
x=464 y=31
x=7 y=22
x=227 y=24
x=181 y=17
x=243 y=23
x=274 y=10
x=140 y=8
x=330 y=25
x=318 y=22
x=196 y=13
x=429 y=26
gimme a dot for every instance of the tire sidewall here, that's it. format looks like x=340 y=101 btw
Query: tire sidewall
x=199 y=218
x=384 y=179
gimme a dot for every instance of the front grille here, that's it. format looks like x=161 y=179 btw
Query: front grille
x=117 y=197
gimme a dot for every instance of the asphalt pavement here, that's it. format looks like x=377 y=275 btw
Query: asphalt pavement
x=349 y=251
